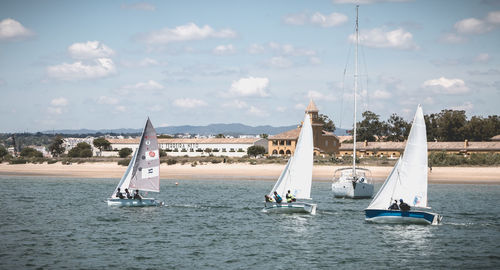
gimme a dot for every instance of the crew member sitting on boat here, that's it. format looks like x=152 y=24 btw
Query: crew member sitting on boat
x=268 y=198
x=119 y=194
x=290 y=198
x=137 y=196
x=277 y=197
x=129 y=196
x=403 y=206
x=394 y=206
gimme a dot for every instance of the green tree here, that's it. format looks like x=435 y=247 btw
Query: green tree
x=101 y=143
x=220 y=135
x=450 y=125
x=30 y=152
x=82 y=149
x=370 y=127
x=264 y=136
x=125 y=152
x=482 y=129
x=397 y=128
x=328 y=124
x=431 y=124
x=56 y=148
x=3 y=151
x=256 y=150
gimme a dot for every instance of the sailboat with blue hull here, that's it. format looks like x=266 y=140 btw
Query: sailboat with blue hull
x=407 y=183
x=142 y=174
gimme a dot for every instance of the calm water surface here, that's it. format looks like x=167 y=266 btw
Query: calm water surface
x=59 y=223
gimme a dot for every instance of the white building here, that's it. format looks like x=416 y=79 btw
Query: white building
x=232 y=147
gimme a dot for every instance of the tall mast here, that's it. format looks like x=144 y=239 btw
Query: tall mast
x=355 y=91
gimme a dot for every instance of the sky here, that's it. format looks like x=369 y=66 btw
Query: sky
x=111 y=64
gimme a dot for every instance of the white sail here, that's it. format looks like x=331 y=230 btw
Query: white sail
x=143 y=171
x=297 y=175
x=408 y=179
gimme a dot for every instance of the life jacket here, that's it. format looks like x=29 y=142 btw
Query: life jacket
x=278 y=198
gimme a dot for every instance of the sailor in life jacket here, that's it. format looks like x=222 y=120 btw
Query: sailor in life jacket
x=289 y=197
x=277 y=197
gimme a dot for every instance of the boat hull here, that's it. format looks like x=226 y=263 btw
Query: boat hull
x=134 y=203
x=346 y=189
x=295 y=207
x=402 y=217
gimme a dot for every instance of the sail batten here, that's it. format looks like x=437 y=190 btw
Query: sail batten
x=297 y=175
x=408 y=179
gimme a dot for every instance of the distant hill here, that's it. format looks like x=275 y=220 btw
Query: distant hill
x=212 y=129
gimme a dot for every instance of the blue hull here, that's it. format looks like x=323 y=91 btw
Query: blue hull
x=402 y=217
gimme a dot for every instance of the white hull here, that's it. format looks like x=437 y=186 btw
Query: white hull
x=134 y=203
x=295 y=207
x=346 y=189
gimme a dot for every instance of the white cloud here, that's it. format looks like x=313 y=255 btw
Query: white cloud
x=281 y=109
x=11 y=29
x=257 y=112
x=149 y=85
x=493 y=17
x=189 y=103
x=256 y=49
x=447 y=86
x=288 y=49
x=224 y=49
x=101 y=67
x=378 y=38
x=280 y=62
x=466 y=106
x=147 y=62
x=295 y=19
x=90 y=50
x=55 y=110
x=107 y=100
x=482 y=58
x=382 y=94
x=300 y=106
x=59 y=102
x=186 y=32
x=139 y=6
x=452 y=38
x=315 y=95
x=315 y=60
x=251 y=86
x=334 y=19
x=120 y=108
x=155 y=108
x=236 y=104
x=472 y=26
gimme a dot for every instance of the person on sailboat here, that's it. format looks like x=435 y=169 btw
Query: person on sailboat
x=289 y=197
x=277 y=197
x=119 y=194
x=403 y=206
x=268 y=198
x=394 y=206
x=137 y=196
x=129 y=196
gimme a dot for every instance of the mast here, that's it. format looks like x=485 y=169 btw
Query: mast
x=355 y=91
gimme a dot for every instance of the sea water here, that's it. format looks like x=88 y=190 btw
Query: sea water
x=56 y=223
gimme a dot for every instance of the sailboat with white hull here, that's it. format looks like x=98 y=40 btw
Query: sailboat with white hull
x=353 y=182
x=143 y=172
x=407 y=182
x=296 y=177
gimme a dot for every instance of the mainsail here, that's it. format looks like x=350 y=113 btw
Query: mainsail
x=297 y=175
x=143 y=171
x=408 y=179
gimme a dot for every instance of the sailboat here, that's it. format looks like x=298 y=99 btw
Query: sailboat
x=296 y=177
x=353 y=182
x=143 y=172
x=407 y=181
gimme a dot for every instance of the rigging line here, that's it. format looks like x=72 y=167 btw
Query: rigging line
x=343 y=84
x=366 y=76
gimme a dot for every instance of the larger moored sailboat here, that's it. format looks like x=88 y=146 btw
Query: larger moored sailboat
x=353 y=182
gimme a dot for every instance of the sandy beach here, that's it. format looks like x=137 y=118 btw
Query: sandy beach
x=240 y=171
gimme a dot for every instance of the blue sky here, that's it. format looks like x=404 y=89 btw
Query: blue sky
x=110 y=64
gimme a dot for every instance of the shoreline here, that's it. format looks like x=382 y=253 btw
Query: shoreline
x=241 y=171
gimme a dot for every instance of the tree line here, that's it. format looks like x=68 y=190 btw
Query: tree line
x=447 y=125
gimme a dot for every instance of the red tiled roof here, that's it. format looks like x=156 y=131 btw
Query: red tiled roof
x=431 y=146
x=192 y=140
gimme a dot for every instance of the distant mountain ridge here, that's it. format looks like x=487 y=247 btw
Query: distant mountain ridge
x=234 y=129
